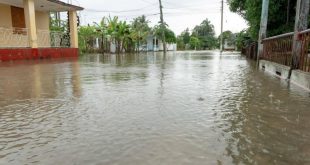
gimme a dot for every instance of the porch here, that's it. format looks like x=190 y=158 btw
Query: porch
x=25 y=30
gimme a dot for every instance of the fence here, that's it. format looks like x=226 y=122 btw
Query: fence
x=278 y=49
x=57 y=39
x=250 y=51
x=13 y=37
x=18 y=38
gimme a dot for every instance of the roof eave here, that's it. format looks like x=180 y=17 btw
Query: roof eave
x=76 y=8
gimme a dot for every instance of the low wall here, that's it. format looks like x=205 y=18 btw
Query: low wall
x=301 y=78
x=274 y=68
x=298 y=77
x=33 y=54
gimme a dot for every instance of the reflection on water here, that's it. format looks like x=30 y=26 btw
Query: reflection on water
x=182 y=108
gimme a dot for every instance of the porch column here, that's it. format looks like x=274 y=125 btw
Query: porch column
x=30 y=19
x=73 y=29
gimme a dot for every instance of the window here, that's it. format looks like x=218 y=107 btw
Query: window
x=18 y=20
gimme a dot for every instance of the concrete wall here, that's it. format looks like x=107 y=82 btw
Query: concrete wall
x=301 y=78
x=274 y=68
x=5 y=13
x=298 y=77
x=42 y=20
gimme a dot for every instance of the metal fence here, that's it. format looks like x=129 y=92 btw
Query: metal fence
x=53 y=39
x=278 y=49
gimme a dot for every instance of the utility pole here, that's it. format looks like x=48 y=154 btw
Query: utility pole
x=222 y=24
x=263 y=28
x=163 y=28
x=301 y=24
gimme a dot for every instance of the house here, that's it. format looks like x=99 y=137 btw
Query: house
x=229 y=45
x=155 y=44
x=25 y=33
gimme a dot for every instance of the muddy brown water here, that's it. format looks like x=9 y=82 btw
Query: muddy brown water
x=182 y=108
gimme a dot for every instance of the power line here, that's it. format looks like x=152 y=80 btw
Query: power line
x=146 y=1
x=120 y=11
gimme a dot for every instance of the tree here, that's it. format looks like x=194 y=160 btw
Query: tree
x=183 y=39
x=228 y=37
x=126 y=37
x=281 y=15
x=119 y=32
x=194 y=43
x=243 y=39
x=180 y=43
x=186 y=36
x=169 y=34
x=140 y=30
x=58 y=25
x=206 y=34
x=87 y=34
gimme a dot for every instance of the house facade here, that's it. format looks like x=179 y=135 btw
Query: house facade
x=229 y=46
x=25 y=33
x=155 y=44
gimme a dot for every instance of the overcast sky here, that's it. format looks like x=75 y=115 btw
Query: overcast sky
x=179 y=14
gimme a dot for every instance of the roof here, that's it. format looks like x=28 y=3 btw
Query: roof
x=67 y=5
x=45 y=5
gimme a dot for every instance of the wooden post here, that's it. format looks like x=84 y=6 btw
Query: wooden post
x=263 y=28
x=163 y=28
x=301 y=24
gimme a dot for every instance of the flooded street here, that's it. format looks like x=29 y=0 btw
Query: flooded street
x=183 y=108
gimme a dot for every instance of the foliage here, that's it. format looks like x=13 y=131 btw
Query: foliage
x=228 y=36
x=169 y=34
x=126 y=37
x=186 y=36
x=140 y=30
x=58 y=24
x=201 y=38
x=243 y=39
x=86 y=37
x=206 y=34
x=194 y=43
x=183 y=40
x=278 y=22
x=180 y=43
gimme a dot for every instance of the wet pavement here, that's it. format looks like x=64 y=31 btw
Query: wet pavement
x=182 y=108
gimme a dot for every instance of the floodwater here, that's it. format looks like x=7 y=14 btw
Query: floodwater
x=182 y=108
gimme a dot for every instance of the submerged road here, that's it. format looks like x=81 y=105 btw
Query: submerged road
x=185 y=108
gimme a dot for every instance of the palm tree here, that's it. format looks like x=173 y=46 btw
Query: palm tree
x=140 y=30
x=119 y=32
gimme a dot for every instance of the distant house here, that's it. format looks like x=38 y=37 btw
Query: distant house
x=25 y=33
x=229 y=46
x=230 y=43
x=155 y=44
